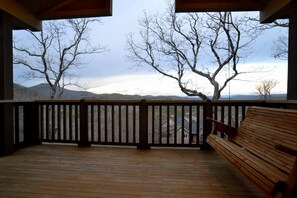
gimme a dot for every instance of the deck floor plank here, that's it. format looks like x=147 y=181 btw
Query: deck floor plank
x=69 y=171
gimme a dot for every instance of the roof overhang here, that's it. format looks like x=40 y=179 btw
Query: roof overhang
x=270 y=10
x=275 y=9
x=28 y=14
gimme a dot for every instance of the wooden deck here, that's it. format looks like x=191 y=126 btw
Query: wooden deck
x=70 y=171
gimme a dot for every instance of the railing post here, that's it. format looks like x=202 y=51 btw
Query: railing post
x=143 y=133
x=207 y=124
x=31 y=124
x=83 y=120
x=6 y=129
x=6 y=84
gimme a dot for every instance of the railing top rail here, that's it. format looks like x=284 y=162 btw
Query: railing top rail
x=16 y=101
x=113 y=102
x=56 y=101
x=152 y=102
x=282 y=101
x=254 y=102
x=92 y=102
x=237 y=102
x=174 y=102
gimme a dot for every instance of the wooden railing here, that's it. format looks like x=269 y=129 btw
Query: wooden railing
x=175 y=123
x=143 y=123
x=113 y=122
x=25 y=118
x=59 y=121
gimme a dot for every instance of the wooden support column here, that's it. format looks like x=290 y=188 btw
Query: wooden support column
x=31 y=124
x=143 y=128
x=6 y=84
x=207 y=124
x=83 y=119
x=292 y=61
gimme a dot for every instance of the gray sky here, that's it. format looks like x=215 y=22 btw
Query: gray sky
x=112 y=72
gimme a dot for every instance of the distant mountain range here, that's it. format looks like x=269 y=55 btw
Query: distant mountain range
x=254 y=97
x=67 y=94
x=42 y=92
x=25 y=93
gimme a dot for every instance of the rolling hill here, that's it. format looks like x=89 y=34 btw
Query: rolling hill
x=42 y=92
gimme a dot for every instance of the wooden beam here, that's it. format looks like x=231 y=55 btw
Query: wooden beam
x=76 y=14
x=21 y=13
x=217 y=5
x=78 y=8
x=274 y=9
x=292 y=58
x=6 y=72
x=54 y=8
x=6 y=84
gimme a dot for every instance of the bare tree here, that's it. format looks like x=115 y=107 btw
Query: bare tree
x=191 y=48
x=55 y=52
x=265 y=87
x=280 y=48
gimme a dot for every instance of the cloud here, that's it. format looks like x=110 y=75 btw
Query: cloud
x=142 y=84
x=155 y=84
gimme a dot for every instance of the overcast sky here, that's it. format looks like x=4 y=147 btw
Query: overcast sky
x=112 y=72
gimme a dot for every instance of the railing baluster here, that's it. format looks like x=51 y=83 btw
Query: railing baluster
x=168 y=124
x=76 y=122
x=42 y=121
x=243 y=112
x=59 y=121
x=190 y=138
x=222 y=114
x=175 y=124
x=153 y=124
x=112 y=124
x=53 y=121
x=92 y=123
x=47 y=121
x=17 y=125
x=134 y=124
x=236 y=116
x=105 y=123
x=160 y=124
x=127 y=124
x=197 y=125
x=64 y=122
x=120 y=123
x=222 y=118
x=216 y=112
x=183 y=124
x=99 y=123
x=70 y=123
x=229 y=115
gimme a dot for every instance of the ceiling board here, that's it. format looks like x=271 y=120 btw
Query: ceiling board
x=270 y=10
x=215 y=5
x=53 y=9
x=78 y=8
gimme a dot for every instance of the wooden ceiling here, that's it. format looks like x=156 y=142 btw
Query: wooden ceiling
x=269 y=9
x=30 y=13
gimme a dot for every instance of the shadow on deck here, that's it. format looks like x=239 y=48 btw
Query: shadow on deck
x=69 y=171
